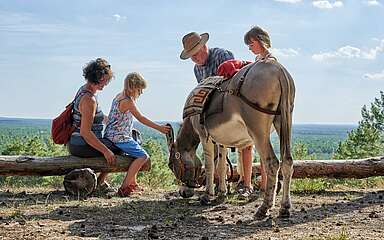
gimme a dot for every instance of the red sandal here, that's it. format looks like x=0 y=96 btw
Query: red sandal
x=125 y=192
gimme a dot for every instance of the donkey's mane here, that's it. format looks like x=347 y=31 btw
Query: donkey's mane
x=187 y=137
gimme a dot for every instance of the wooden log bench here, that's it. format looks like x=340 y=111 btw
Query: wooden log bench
x=352 y=168
x=80 y=178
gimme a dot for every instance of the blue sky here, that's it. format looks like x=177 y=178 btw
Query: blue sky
x=333 y=49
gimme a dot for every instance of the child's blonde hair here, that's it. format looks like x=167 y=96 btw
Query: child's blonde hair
x=133 y=81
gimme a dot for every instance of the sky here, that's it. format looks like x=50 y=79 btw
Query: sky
x=333 y=49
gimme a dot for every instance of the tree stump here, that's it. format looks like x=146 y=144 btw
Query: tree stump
x=80 y=182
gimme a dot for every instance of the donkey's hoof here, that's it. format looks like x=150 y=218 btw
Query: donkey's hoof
x=261 y=213
x=186 y=192
x=284 y=213
x=205 y=200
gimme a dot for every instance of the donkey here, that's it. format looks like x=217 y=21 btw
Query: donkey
x=259 y=95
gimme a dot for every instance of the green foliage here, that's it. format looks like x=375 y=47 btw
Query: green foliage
x=300 y=152
x=32 y=181
x=160 y=176
x=367 y=140
x=33 y=146
x=31 y=137
x=33 y=141
x=374 y=117
x=308 y=185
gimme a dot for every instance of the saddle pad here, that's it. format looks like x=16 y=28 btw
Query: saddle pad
x=215 y=103
x=199 y=96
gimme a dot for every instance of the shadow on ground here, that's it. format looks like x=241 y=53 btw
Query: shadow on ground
x=171 y=217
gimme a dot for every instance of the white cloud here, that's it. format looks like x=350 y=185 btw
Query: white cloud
x=284 y=52
x=119 y=18
x=349 y=52
x=289 y=1
x=374 y=76
x=326 y=4
x=372 y=3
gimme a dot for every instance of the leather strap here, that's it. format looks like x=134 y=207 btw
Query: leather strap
x=246 y=100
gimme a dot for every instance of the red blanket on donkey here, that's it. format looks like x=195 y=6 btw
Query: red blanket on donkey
x=230 y=67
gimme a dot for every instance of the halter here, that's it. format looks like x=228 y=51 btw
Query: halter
x=179 y=173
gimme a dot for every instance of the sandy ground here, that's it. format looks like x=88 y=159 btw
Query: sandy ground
x=50 y=214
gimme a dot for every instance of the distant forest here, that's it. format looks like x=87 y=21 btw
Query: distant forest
x=321 y=139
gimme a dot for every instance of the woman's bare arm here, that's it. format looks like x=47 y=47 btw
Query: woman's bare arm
x=87 y=109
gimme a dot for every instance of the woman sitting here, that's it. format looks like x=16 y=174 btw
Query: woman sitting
x=87 y=140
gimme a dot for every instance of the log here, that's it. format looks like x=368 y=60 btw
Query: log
x=353 y=168
x=53 y=166
x=80 y=182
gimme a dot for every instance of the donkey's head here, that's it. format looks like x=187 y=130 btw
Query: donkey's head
x=183 y=160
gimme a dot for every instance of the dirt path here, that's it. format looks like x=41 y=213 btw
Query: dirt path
x=49 y=214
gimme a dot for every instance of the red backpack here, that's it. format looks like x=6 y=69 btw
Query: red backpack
x=230 y=67
x=62 y=126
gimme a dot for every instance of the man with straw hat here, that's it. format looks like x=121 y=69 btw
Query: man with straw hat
x=206 y=60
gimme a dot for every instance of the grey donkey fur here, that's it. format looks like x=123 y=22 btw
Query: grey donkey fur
x=270 y=86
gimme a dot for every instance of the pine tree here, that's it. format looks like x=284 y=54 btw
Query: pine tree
x=367 y=139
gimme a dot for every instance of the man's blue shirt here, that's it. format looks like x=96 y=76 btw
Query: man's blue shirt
x=216 y=56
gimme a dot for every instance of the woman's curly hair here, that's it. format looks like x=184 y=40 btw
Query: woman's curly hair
x=96 y=69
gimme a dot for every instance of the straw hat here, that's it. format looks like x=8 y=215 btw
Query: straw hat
x=192 y=42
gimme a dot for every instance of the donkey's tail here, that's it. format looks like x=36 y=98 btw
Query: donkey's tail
x=286 y=108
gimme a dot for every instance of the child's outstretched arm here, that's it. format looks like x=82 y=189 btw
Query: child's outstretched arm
x=130 y=105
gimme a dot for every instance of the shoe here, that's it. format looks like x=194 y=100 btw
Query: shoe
x=245 y=193
x=239 y=187
x=126 y=192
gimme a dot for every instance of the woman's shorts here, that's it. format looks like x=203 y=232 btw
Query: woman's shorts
x=79 y=148
x=132 y=148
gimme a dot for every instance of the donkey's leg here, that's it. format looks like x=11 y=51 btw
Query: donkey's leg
x=208 y=148
x=222 y=170
x=286 y=171
x=271 y=165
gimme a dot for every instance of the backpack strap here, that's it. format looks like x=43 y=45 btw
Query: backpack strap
x=83 y=91
x=72 y=104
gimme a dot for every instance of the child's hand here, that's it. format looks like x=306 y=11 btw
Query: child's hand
x=164 y=129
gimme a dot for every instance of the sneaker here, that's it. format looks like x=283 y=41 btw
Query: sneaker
x=245 y=193
x=239 y=186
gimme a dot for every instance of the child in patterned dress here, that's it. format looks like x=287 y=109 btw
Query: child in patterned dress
x=119 y=128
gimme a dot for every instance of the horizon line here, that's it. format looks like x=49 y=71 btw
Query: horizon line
x=302 y=123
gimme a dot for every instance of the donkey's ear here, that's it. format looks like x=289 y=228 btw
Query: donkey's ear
x=170 y=135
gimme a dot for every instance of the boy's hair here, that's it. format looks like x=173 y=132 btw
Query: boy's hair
x=96 y=69
x=257 y=33
x=134 y=80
